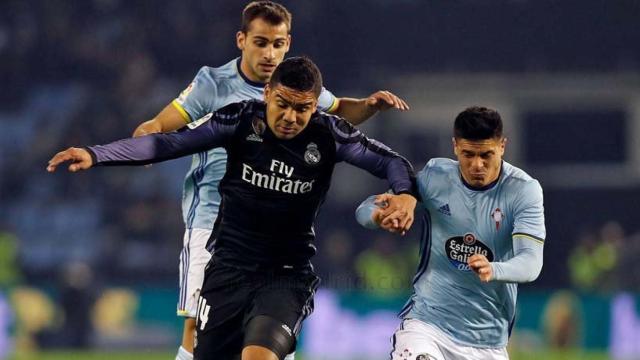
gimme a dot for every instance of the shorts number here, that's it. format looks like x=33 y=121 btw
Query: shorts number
x=202 y=313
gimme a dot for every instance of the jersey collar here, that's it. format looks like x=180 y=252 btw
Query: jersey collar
x=486 y=187
x=245 y=78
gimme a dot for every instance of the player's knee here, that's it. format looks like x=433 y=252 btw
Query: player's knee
x=268 y=333
x=254 y=352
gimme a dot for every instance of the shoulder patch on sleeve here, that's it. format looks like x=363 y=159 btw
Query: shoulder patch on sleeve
x=185 y=93
x=194 y=124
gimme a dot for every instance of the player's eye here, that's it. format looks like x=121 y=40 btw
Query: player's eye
x=282 y=105
x=260 y=43
x=278 y=44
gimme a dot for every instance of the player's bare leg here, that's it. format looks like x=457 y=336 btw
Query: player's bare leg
x=188 y=334
x=253 y=352
x=186 y=350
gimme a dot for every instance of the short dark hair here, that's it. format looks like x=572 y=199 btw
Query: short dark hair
x=269 y=11
x=478 y=123
x=298 y=73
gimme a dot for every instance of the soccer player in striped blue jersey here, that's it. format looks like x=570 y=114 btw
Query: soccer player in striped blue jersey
x=263 y=40
x=483 y=233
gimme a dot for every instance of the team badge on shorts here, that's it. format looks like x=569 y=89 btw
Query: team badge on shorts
x=312 y=155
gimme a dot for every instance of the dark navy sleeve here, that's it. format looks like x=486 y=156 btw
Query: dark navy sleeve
x=373 y=156
x=214 y=130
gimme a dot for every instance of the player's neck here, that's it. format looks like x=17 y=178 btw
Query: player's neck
x=247 y=75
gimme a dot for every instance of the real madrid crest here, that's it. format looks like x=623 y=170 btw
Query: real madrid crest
x=258 y=126
x=497 y=216
x=312 y=155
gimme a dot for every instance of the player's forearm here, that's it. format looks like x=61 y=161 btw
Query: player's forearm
x=169 y=119
x=364 y=213
x=524 y=266
x=151 y=148
x=355 y=111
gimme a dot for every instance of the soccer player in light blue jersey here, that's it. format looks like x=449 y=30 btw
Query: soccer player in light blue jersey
x=483 y=233
x=264 y=39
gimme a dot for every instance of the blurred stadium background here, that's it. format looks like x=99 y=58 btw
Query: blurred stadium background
x=88 y=263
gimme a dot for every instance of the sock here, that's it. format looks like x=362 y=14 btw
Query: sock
x=183 y=354
x=290 y=356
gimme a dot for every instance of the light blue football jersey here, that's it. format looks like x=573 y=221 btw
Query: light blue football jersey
x=461 y=221
x=211 y=89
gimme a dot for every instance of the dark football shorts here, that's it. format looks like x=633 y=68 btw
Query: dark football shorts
x=239 y=308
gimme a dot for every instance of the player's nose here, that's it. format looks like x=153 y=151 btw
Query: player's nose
x=269 y=53
x=289 y=116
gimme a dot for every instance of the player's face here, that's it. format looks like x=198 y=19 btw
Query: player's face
x=263 y=47
x=480 y=160
x=288 y=110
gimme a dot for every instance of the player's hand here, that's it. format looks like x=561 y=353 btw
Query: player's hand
x=80 y=159
x=481 y=266
x=397 y=216
x=384 y=100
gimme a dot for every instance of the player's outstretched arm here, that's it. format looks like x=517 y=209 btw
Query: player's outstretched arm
x=394 y=213
x=169 y=119
x=524 y=266
x=357 y=111
x=80 y=159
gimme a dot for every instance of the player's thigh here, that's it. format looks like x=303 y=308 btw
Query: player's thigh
x=413 y=341
x=193 y=260
x=286 y=299
x=263 y=333
x=465 y=352
x=220 y=313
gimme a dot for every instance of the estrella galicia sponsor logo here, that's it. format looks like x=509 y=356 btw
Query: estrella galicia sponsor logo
x=312 y=155
x=460 y=248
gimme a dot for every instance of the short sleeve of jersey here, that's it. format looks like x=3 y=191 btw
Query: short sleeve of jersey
x=529 y=212
x=196 y=100
x=422 y=180
x=327 y=102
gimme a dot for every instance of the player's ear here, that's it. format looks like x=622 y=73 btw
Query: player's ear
x=503 y=144
x=241 y=37
x=455 y=145
x=267 y=92
x=288 y=43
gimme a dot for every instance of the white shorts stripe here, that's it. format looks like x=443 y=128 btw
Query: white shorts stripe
x=193 y=260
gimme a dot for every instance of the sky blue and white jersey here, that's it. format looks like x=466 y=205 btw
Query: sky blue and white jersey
x=461 y=221
x=211 y=89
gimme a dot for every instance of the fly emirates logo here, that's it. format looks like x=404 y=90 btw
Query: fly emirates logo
x=278 y=180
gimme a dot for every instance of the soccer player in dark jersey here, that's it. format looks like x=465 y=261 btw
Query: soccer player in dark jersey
x=264 y=39
x=259 y=285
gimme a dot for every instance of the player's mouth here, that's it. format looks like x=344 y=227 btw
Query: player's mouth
x=267 y=67
x=286 y=130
